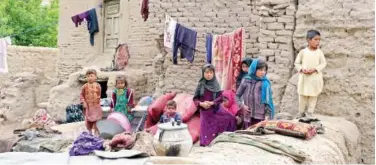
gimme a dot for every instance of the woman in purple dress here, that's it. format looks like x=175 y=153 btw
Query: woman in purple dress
x=213 y=118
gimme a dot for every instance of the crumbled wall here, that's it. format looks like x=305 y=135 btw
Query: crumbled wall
x=347 y=29
x=32 y=73
x=30 y=59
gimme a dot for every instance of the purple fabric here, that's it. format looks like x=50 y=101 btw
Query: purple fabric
x=250 y=90
x=185 y=39
x=214 y=120
x=79 y=18
x=85 y=144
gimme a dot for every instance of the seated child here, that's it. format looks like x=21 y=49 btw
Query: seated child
x=170 y=113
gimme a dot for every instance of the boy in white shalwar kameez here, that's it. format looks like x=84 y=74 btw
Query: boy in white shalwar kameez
x=310 y=63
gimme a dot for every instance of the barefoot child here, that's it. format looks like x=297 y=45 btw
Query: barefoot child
x=122 y=97
x=213 y=118
x=257 y=95
x=90 y=97
x=310 y=62
x=170 y=113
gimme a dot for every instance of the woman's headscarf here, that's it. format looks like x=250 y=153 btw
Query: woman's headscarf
x=242 y=74
x=211 y=85
x=233 y=106
x=266 y=90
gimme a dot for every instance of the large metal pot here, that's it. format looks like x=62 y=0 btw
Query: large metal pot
x=172 y=140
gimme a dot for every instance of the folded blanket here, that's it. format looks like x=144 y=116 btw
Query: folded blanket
x=272 y=146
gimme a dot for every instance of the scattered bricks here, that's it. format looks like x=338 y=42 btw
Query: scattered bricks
x=209 y=24
x=281 y=6
x=267 y=52
x=272 y=45
x=289 y=26
x=188 y=14
x=219 y=30
x=243 y=19
x=286 y=54
x=182 y=20
x=290 y=11
x=188 y=4
x=267 y=32
x=210 y=14
x=283 y=39
x=193 y=19
x=265 y=39
x=166 y=5
x=252 y=50
x=286 y=19
x=261 y=45
x=281 y=60
x=243 y=14
x=284 y=33
x=222 y=15
x=271 y=58
x=205 y=19
x=198 y=24
x=175 y=14
x=275 y=26
x=267 y=19
x=254 y=17
x=287 y=47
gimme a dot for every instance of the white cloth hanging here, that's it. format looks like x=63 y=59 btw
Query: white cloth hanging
x=4 y=42
x=169 y=32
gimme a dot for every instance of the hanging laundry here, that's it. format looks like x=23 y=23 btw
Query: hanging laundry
x=121 y=57
x=221 y=59
x=92 y=22
x=4 y=42
x=169 y=32
x=144 y=9
x=185 y=39
x=209 y=43
x=228 y=52
x=79 y=18
x=238 y=52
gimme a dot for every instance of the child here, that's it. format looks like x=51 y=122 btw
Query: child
x=310 y=62
x=122 y=97
x=208 y=97
x=90 y=97
x=243 y=72
x=170 y=113
x=257 y=95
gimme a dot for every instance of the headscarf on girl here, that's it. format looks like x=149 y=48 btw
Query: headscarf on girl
x=232 y=105
x=266 y=91
x=211 y=85
x=242 y=74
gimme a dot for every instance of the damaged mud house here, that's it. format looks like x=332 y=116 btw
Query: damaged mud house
x=51 y=78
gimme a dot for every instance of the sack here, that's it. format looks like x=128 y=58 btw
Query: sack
x=194 y=127
x=185 y=105
x=155 y=110
x=289 y=128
